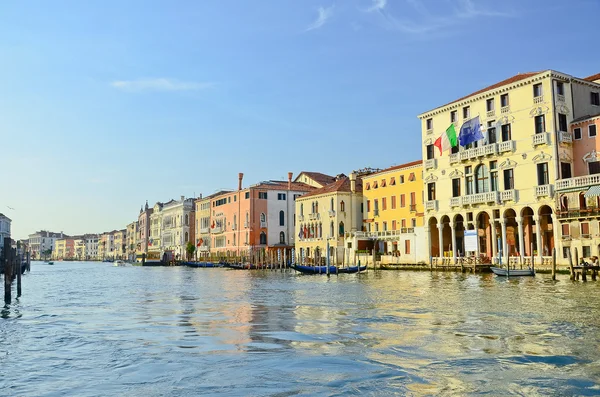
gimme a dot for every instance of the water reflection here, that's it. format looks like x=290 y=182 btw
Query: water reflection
x=80 y=328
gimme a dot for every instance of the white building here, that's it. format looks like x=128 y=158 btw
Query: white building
x=42 y=241
x=4 y=228
x=177 y=227
x=91 y=246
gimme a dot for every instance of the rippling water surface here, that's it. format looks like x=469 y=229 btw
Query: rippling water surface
x=91 y=329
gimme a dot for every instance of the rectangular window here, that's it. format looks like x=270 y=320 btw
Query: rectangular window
x=585 y=230
x=412 y=199
x=587 y=252
x=368 y=205
x=540 y=124
x=466 y=112
x=401 y=178
x=595 y=98
x=393 y=202
x=393 y=225
x=383 y=204
x=591 y=130
x=506 y=134
x=537 y=90
x=491 y=131
x=494 y=176
x=453 y=116
x=407 y=246
x=565 y=170
x=456 y=187
x=489 y=105
x=376 y=226
x=262 y=195
x=431 y=191
x=560 y=88
x=577 y=133
x=280 y=196
x=566 y=230
x=430 y=151
x=413 y=222
x=565 y=252
x=594 y=167
x=402 y=201
x=562 y=122
x=542 y=174
x=385 y=226
x=509 y=182
x=403 y=223
x=504 y=100
x=429 y=124
x=247 y=195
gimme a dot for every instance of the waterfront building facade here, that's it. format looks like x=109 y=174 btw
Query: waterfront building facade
x=154 y=241
x=499 y=190
x=324 y=216
x=578 y=190
x=79 y=252
x=260 y=217
x=64 y=248
x=42 y=243
x=393 y=215
x=131 y=236
x=91 y=246
x=203 y=223
x=143 y=234
x=4 y=229
x=177 y=228
x=120 y=243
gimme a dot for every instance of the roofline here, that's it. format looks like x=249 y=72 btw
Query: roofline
x=411 y=165
x=587 y=118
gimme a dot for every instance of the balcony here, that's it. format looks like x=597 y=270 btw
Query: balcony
x=216 y=230
x=383 y=234
x=263 y=225
x=508 y=195
x=204 y=230
x=508 y=146
x=331 y=213
x=455 y=202
x=313 y=216
x=565 y=137
x=579 y=213
x=246 y=224
x=505 y=109
x=431 y=205
x=578 y=182
x=203 y=248
x=560 y=98
x=543 y=191
x=543 y=138
x=538 y=99
x=473 y=199
x=482 y=151
x=491 y=113
x=431 y=164
x=454 y=158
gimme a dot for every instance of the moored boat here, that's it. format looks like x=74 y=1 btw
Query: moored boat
x=323 y=269
x=512 y=272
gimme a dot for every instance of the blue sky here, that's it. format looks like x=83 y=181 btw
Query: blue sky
x=106 y=104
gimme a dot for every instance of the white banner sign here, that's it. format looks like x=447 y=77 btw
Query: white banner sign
x=471 y=241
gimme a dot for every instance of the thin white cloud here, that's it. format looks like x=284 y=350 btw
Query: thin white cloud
x=324 y=15
x=159 y=84
x=377 y=5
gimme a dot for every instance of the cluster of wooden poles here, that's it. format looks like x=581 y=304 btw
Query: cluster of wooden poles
x=11 y=263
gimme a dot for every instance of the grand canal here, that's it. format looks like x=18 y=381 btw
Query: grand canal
x=91 y=329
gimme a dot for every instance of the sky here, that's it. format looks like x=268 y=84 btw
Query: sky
x=107 y=104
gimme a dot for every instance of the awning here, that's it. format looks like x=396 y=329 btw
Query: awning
x=593 y=191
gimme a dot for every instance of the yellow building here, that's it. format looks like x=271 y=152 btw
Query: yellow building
x=120 y=244
x=324 y=215
x=154 y=241
x=495 y=195
x=393 y=219
x=60 y=249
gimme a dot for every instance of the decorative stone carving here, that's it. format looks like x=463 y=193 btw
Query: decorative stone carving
x=431 y=178
x=542 y=158
x=507 y=164
x=456 y=174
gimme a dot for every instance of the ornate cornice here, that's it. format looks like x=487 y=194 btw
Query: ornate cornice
x=456 y=174
x=591 y=156
x=431 y=178
x=542 y=157
x=507 y=164
x=537 y=111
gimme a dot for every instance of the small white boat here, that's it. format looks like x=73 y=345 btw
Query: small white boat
x=120 y=263
x=513 y=272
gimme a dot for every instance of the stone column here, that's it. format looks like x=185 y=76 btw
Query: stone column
x=441 y=239
x=504 y=244
x=453 y=242
x=556 y=228
x=494 y=239
x=538 y=236
x=522 y=249
x=428 y=237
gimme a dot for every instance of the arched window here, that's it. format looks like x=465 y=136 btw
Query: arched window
x=186 y=220
x=582 y=201
x=263 y=217
x=281 y=218
x=320 y=230
x=332 y=207
x=263 y=238
x=282 y=238
x=316 y=206
x=301 y=209
x=247 y=217
x=186 y=237
x=234 y=239
x=342 y=206
x=234 y=223
x=331 y=229
x=482 y=179
x=341 y=228
x=313 y=208
x=564 y=203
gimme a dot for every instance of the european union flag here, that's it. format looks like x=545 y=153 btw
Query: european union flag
x=470 y=132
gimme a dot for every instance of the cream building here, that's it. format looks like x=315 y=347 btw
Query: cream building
x=131 y=241
x=496 y=196
x=154 y=241
x=324 y=215
x=202 y=224
x=177 y=227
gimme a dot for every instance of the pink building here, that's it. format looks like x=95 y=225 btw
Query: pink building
x=586 y=145
x=261 y=216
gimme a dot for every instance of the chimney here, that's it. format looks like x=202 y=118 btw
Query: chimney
x=200 y=196
x=290 y=174
x=353 y=182
x=240 y=177
x=182 y=198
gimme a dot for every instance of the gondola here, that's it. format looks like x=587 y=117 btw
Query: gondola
x=323 y=269
x=512 y=272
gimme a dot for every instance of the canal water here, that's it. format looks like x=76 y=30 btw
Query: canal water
x=92 y=329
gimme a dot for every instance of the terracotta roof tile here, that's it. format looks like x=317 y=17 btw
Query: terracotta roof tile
x=396 y=167
x=283 y=185
x=593 y=77
x=322 y=179
x=510 y=80
x=341 y=185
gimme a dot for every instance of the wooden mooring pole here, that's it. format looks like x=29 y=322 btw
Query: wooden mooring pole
x=572 y=272
x=554 y=263
x=7 y=261
x=19 y=264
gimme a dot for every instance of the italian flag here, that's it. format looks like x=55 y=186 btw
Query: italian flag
x=447 y=140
